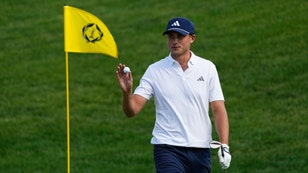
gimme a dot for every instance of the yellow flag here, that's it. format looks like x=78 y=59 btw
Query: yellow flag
x=85 y=33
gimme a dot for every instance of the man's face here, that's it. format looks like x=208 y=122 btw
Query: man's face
x=179 y=44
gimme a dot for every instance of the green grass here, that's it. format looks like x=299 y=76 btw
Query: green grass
x=259 y=48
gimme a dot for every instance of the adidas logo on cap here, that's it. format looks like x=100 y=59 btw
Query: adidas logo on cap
x=176 y=23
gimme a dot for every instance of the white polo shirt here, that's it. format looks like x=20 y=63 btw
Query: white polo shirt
x=181 y=100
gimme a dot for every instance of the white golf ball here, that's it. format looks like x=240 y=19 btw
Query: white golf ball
x=126 y=70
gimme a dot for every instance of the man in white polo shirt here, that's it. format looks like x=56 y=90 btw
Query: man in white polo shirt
x=184 y=87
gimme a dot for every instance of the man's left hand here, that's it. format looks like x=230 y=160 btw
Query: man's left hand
x=224 y=156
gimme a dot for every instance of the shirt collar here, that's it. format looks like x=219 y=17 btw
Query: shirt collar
x=191 y=61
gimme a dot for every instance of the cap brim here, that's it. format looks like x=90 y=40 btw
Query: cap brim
x=181 y=31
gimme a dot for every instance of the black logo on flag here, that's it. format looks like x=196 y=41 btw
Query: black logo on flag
x=92 y=33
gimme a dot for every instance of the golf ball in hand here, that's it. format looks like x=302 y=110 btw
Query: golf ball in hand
x=126 y=70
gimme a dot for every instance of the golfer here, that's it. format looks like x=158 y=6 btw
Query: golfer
x=184 y=87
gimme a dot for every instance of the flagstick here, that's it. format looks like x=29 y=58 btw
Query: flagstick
x=67 y=115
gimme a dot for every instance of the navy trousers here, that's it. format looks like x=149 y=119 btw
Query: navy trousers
x=174 y=159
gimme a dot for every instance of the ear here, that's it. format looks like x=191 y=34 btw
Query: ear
x=193 y=38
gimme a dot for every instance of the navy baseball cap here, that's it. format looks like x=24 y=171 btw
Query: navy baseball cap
x=181 y=25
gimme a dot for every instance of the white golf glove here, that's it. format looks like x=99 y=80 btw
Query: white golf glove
x=224 y=156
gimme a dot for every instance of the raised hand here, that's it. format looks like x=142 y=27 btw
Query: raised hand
x=125 y=79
